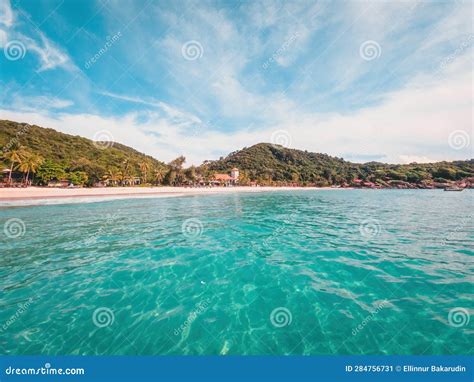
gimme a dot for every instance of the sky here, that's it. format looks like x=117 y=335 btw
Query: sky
x=387 y=81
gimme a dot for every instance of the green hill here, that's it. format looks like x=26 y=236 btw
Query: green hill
x=269 y=164
x=66 y=154
x=40 y=155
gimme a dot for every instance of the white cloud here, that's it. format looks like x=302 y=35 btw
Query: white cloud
x=49 y=54
x=57 y=103
x=174 y=113
x=3 y=38
x=34 y=103
x=6 y=13
x=6 y=19
x=227 y=83
x=412 y=124
x=416 y=159
x=413 y=121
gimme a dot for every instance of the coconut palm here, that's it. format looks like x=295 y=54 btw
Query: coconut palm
x=112 y=175
x=29 y=163
x=159 y=175
x=13 y=155
x=131 y=180
x=144 y=168
x=125 y=171
x=120 y=177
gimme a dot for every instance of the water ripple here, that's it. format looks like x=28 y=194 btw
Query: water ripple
x=213 y=293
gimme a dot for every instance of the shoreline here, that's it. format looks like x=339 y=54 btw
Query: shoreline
x=44 y=193
x=12 y=197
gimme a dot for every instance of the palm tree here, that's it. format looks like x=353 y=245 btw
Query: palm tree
x=144 y=167
x=13 y=155
x=159 y=175
x=131 y=180
x=111 y=175
x=120 y=177
x=125 y=170
x=29 y=163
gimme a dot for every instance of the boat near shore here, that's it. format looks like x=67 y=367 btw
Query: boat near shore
x=453 y=188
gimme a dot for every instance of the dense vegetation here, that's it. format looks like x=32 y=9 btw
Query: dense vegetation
x=81 y=161
x=276 y=165
x=42 y=155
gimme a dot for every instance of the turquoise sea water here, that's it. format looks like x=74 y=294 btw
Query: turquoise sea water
x=300 y=272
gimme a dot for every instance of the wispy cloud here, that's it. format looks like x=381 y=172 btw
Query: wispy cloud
x=262 y=67
x=37 y=103
x=412 y=124
x=50 y=56
x=178 y=116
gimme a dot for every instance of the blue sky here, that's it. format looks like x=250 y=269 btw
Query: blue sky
x=365 y=80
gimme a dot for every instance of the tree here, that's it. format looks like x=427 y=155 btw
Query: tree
x=78 y=178
x=29 y=164
x=120 y=176
x=94 y=171
x=190 y=174
x=446 y=173
x=170 y=177
x=295 y=178
x=144 y=168
x=177 y=164
x=244 y=179
x=159 y=175
x=126 y=175
x=13 y=155
x=50 y=170
x=111 y=175
x=175 y=175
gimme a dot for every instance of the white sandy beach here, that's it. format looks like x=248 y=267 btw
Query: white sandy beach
x=12 y=194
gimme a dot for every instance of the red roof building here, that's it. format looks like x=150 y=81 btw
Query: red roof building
x=226 y=179
x=223 y=177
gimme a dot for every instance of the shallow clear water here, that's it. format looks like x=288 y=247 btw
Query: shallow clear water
x=301 y=272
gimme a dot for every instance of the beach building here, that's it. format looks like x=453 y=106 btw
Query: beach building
x=226 y=179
